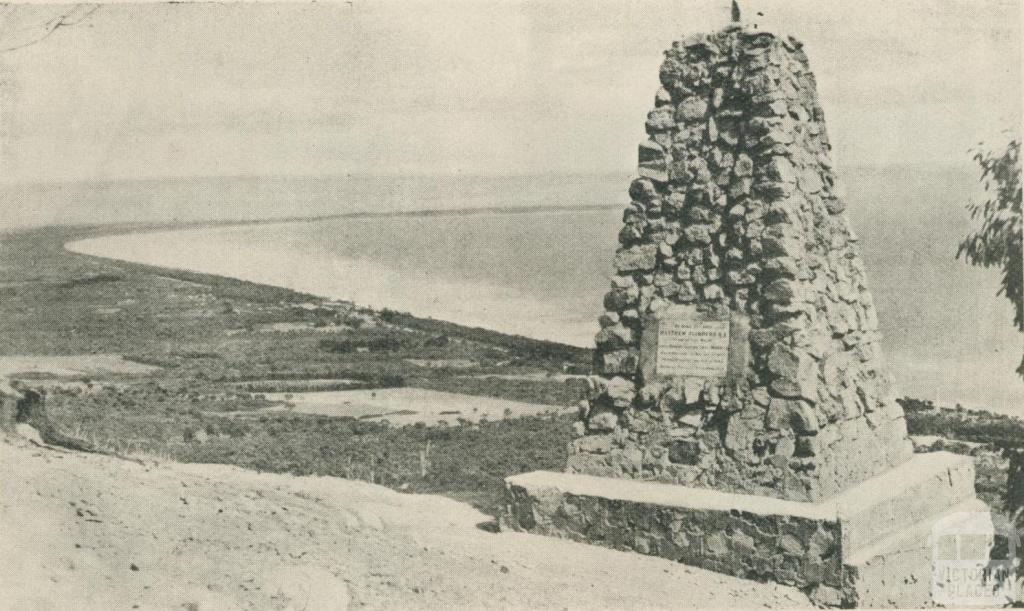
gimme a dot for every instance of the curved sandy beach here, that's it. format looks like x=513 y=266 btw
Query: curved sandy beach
x=976 y=373
x=221 y=251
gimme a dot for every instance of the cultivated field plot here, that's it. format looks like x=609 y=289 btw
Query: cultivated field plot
x=70 y=366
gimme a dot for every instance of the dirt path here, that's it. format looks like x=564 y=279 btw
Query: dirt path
x=93 y=532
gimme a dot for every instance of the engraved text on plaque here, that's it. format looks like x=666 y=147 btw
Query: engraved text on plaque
x=692 y=348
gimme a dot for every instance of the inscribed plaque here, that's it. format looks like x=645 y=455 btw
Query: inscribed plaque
x=692 y=348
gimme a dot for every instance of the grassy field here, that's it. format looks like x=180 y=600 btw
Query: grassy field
x=218 y=344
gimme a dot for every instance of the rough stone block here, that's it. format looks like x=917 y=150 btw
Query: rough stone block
x=660 y=119
x=796 y=372
x=692 y=109
x=782 y=291
x=775 y=246
x=642 y=190
x=637 y=258
x=654 y=171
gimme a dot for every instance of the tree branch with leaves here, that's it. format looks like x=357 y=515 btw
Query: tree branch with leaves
x=998 y=242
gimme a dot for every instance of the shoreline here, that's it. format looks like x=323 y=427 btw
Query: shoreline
x=945 y=381
x=132 y=228
x=371 y=280
x=213 y=348
x=77 y=233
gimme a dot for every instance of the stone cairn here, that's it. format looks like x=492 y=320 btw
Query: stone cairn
x=735 y=218
x=743 y=422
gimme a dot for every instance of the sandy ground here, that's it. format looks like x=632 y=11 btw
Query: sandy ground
x=407 y=405
x=532 y=377
x=295 y=327
x=443 y=363
x=93 y=532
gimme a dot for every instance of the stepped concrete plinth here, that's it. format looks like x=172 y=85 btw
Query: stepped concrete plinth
x=743 y=419
x=868 y=546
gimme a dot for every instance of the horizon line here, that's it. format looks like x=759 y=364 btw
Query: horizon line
x=396 y=175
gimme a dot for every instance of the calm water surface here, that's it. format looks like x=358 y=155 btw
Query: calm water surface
x=543 y=274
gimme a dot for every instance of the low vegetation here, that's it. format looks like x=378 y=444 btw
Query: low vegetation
x=924 y=418
x=468 y=461
x=220 y=345
x=220 y=348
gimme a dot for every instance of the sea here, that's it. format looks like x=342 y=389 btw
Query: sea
x=532 y=255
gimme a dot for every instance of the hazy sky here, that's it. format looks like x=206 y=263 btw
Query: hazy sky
x=473 y=87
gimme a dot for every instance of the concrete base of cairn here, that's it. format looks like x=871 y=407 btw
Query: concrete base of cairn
x=867 y=547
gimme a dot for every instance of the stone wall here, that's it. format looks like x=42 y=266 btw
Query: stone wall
x=736 y=216
x=797 y=551
x=869 y=546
